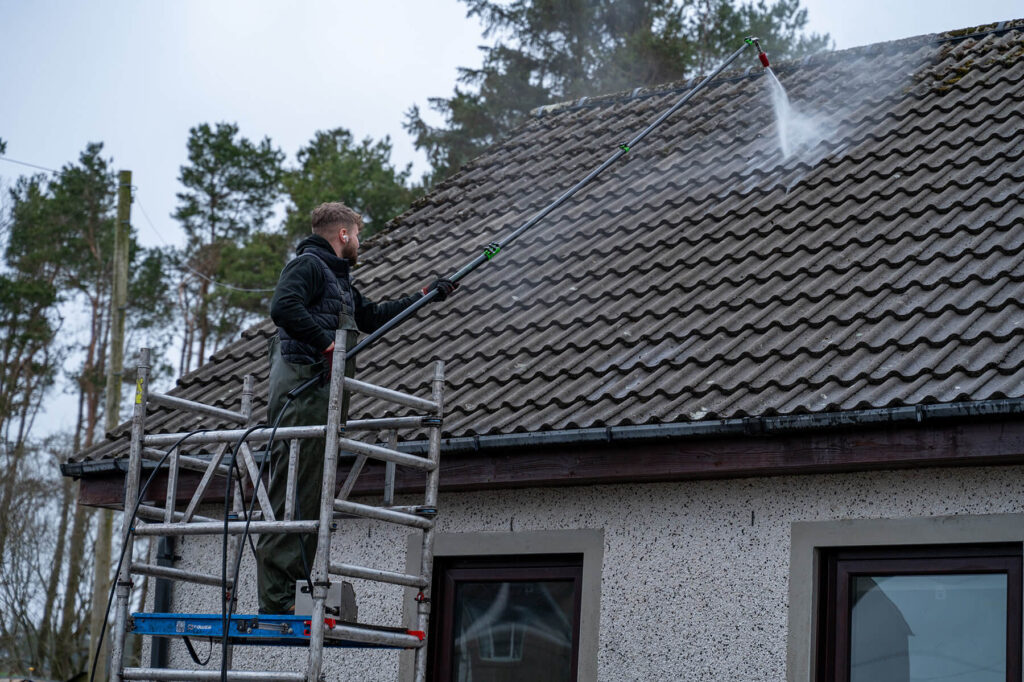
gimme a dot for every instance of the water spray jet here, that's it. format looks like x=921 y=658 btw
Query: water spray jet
x=797 y=131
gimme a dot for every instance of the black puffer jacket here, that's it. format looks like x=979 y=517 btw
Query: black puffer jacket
x=314 y=288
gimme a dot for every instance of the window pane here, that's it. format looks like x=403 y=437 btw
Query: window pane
x=928 y=627
x=506 y=631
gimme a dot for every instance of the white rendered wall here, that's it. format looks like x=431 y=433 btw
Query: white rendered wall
x=695 y=576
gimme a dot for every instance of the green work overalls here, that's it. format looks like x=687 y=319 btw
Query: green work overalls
x=283 y=558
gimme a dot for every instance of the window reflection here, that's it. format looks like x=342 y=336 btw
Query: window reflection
x=913 y=628
x=507 y=631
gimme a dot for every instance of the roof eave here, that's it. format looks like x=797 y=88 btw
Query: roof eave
x=736 y=427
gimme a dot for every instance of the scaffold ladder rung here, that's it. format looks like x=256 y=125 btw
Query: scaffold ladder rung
x=179 y=574
x=232 y=527
x=352 y=571
x=172 y=675
x=368 y=511
x=387 y=454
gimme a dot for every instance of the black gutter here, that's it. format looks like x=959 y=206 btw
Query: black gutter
x=101 y=466
x=717 y=428
x=744 y=426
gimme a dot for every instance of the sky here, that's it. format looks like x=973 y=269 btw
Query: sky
x=138 y=74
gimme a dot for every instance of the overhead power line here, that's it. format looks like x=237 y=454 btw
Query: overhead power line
x=142 y=209
x=30 y=165
x=192 y=270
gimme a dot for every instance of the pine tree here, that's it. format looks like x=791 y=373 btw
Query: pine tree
x=333 y=167
x=230 y=187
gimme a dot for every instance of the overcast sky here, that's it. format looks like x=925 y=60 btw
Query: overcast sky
x=137 y=74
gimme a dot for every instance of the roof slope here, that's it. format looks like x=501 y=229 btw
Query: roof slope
x=705 y=275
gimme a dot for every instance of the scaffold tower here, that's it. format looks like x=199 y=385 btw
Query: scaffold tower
x=315 y=630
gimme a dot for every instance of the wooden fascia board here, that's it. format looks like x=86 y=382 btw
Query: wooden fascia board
x=976 y=443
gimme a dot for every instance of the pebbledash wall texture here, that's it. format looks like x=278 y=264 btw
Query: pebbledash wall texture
x=694 y=581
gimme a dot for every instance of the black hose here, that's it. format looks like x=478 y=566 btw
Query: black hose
x=124 y=546
x=228 y=605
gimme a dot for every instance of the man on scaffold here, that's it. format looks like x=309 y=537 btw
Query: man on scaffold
x=314 y=298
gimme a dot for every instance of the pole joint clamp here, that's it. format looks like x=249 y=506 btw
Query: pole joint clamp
x=624 y=147
x=491 y=250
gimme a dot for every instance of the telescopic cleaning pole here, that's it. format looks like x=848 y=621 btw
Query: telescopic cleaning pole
x=492 y=249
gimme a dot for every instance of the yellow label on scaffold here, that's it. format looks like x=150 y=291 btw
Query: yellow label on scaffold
x=138 y=391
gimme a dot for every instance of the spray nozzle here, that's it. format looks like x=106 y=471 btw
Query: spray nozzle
x=761 y=54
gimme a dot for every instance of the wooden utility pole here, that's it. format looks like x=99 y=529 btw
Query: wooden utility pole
x=119 y=298
x=115 y=366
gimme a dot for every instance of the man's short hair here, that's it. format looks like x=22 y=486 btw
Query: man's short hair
x=327 y=217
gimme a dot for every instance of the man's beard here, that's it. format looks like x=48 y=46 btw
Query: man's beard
x=350 y=253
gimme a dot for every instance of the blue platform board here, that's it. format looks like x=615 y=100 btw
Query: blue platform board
x=262 y=630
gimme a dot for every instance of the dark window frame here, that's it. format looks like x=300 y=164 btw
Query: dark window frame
x=840 y=565
x=448 y=571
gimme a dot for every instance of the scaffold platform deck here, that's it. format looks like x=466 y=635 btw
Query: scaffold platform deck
x=272 y=630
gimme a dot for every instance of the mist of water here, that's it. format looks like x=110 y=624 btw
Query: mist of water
x=797 y=131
